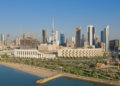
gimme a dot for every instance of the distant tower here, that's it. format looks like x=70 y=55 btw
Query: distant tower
x=44 y=35
x=24 y=35
x=102 y=36
x=49 y=40
x=56 y=38
x=73 y=42
x=67 y=43
x=91 y=35
x=24 y=40
x=106 y=38
x=2 y=39
x=97 y=42
x=17 y=41
x=8 y=40
x=83 y=40
x=62 y=39
x=53 y=31
x=78 y=37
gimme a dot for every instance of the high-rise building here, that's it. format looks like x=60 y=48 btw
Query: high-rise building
x=53 y=36
x=106 y=38
x=119 y=46
x=97 y=42
x=119 y=43
x=91 y=35
x=2 y=39
x=44 y=35
x=17 y=41
x=78 y=37
x=62 y=39
x=8 y=40
x=102 y=36
x=56 y=38
x=67 y=43
x=53 y=32
x=83 y=40
x=73 y=42
x=114 y=45
x=49 y=40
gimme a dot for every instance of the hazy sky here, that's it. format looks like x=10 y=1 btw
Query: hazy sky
x=17 y=16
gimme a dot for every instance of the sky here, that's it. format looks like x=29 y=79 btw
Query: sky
x=18 y=16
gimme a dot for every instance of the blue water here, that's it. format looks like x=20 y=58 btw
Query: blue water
x=12 y=77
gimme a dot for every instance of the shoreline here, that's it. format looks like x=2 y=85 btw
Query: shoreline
x=36 y=71
x=47 y=73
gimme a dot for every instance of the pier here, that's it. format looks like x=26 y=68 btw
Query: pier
x=89 y=79
x=45 y=80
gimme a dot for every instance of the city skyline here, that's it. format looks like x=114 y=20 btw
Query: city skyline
x=45 y=41
x=35 y=16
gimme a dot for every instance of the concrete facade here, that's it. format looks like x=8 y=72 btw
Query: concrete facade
x=80 y=52
x=22 y=53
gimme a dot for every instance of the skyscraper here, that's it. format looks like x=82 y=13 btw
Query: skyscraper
x=53 y=32
x=56 y=38
x=102 y=36
x=8 y=40
x=91 y=35
x=83 y=39
x=62 y=39
x=56 y=35
x=53 y=36
x=17 y=41
x=97 y=42
x=73 y=42
x=106 y=38
x=44 y=35
x=119 y=44
x=78 y=37
x=2 y=39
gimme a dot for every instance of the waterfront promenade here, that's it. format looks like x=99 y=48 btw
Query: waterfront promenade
x=49 y=75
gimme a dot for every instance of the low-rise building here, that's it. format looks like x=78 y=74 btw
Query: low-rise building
x=47 y=47
x=31 y=53
x=8 y=52
x=68 y=52
x=114 y=45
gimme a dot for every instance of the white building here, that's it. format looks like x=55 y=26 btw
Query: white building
x=22 y=53
x=67 y=52
x=56 y=38
x=91 y=35
x=106 y=38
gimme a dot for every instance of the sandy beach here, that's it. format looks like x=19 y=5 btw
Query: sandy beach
x=40 y=72
x=47 y=73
